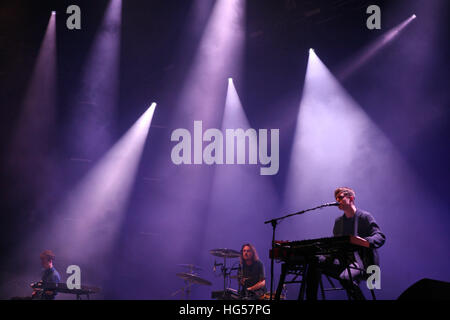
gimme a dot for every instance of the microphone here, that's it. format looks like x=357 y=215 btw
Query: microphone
x=331 y=204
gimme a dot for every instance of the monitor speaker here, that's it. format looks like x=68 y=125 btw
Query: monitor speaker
x=427 y=289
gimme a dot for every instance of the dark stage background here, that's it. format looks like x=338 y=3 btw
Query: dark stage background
x=176 y=214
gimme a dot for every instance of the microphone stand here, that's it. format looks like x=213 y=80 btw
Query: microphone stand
x=274 y=223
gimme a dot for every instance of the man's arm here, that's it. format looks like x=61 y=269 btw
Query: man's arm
x=376 y=238
x=258 y=285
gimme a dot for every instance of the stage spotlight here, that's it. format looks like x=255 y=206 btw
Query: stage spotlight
x=335 y=143
x=231 y=205
x=97 y=97
x=29 y=155
x=148 y=114
x=219 y=55
x=222 y=40
x=370 y=51
x=97 y=204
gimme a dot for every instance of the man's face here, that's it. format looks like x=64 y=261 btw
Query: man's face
x=45 y=263
x=344 y=200
x=247 y=253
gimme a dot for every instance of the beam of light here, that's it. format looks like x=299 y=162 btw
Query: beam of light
x=184 y=195
x=90 y=217
x=30 y=150
x=370 y=51
x=219 y=53
x=96 y=102
x=417 y=51
x=336 y=144
x=31 y=161
x=240 y=196
x=234 y=114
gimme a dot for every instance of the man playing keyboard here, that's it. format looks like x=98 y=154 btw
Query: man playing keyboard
x=353 y=222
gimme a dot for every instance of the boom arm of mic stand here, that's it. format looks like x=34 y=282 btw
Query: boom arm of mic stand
x=275 y=220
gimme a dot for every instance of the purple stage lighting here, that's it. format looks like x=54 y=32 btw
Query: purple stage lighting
x=367 y=53
x=240 y=197
x=96 y=101
x=337 y=144
x=218 y=54
x=90 y=217
x=201 y=98
x=30 y=150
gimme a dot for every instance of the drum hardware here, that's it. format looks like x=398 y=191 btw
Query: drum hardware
x=190 y=278
x=191 y=267
x=226 y=272
x=225 y=253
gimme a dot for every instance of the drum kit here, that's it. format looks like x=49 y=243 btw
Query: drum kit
x=192 y=277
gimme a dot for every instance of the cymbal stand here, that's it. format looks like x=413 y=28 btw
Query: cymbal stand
x=225 y=273
x=186 y=290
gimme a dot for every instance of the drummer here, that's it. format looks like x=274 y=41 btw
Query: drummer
x=252 y=275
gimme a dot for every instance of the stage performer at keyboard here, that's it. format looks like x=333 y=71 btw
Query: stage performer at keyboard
x=251 y=273
x=355 y=222
x=50 y=277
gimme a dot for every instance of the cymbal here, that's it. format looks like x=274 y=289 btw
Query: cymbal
x=190 y=266
x=225 y=253
x=193 y=278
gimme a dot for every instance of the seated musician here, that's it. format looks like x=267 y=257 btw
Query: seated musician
x=252 y=275
x=50 y=277
x=353 y=222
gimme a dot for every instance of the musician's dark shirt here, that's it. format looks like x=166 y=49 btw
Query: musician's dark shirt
x=348 y=225
x=366 y=227
x=255 y=273
x=50 y=276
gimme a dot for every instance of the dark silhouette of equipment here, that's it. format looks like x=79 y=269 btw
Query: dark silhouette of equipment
x=427 y=289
